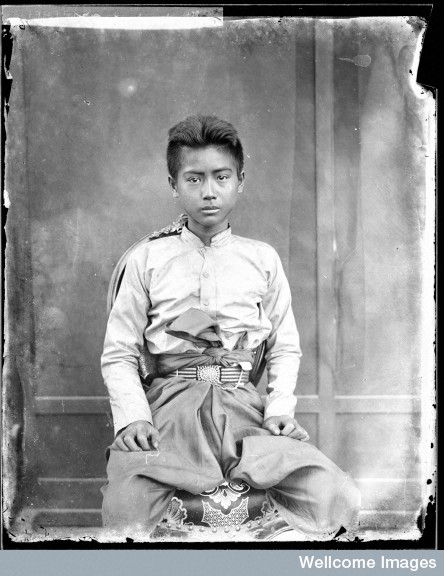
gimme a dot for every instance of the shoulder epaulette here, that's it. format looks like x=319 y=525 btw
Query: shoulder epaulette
x=170 y=230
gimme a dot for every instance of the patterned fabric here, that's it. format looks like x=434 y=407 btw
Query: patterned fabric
x=227 y=493
x=230 y=510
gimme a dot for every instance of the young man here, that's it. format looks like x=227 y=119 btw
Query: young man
x=203 y=301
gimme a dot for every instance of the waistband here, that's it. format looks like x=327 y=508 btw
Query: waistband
x=239 y=359
x=226 y=377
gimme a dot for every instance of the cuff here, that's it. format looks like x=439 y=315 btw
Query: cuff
x=277 y=404
x=122 y=418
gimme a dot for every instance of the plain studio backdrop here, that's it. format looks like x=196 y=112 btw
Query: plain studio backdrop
x=339 y=144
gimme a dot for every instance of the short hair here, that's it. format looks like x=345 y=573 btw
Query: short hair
x=200 y=131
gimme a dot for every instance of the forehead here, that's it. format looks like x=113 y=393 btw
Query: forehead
x=206 y=159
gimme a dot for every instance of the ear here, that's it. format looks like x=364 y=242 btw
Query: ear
x=172 y=184
x=241 y=179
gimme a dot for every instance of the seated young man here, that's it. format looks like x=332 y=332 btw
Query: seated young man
x=204 y=300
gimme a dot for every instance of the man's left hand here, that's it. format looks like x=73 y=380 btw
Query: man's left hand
x=286 y=426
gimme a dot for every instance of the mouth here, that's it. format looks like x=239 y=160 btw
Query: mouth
x=210 y=209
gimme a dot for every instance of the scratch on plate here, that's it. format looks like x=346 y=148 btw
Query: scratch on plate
x=362 y=60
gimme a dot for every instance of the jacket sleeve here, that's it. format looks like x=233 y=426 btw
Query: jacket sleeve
x=283 y=353
x=124 y=342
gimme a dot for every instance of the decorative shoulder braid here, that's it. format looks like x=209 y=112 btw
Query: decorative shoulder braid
x=171 y=229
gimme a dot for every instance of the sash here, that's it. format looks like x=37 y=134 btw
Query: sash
x=196 y=326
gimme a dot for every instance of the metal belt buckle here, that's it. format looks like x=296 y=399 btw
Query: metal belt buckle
x=209 y=373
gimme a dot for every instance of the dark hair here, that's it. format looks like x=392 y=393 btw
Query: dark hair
x=199 y=131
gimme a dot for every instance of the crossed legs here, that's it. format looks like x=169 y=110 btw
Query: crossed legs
x=314 y=500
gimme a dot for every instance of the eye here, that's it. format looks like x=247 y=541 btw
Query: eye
x=223 y=177
x=193 y=179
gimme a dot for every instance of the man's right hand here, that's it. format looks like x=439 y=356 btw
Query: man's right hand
x=136 y=437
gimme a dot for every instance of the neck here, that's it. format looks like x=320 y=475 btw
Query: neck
x=203 y=233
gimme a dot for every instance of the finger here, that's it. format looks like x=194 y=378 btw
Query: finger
x=129 y=441
x=289 y=427
x=143 y=441
x=274 y=429
x=155 y=438
x=303 y=436
x=300 y=434
x=119 y=444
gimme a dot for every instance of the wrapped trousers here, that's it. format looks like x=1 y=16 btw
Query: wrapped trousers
x=209 y=435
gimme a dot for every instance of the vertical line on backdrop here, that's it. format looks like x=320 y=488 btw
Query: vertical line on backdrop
x=326 y=304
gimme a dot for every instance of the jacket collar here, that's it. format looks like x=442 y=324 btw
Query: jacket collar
x=221 y=239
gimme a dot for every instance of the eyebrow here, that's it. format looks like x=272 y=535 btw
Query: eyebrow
x=224 y=169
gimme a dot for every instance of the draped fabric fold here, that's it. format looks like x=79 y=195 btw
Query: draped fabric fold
x=198 y=327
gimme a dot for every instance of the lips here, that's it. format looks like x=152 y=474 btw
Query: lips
x=210 y=209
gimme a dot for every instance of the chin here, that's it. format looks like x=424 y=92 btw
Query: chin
x=210 y=219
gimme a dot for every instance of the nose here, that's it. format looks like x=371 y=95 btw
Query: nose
x=208 y=190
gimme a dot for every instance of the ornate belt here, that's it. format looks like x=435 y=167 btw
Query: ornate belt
x=226 y=377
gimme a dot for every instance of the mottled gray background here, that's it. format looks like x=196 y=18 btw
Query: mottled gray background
x=336 y=139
